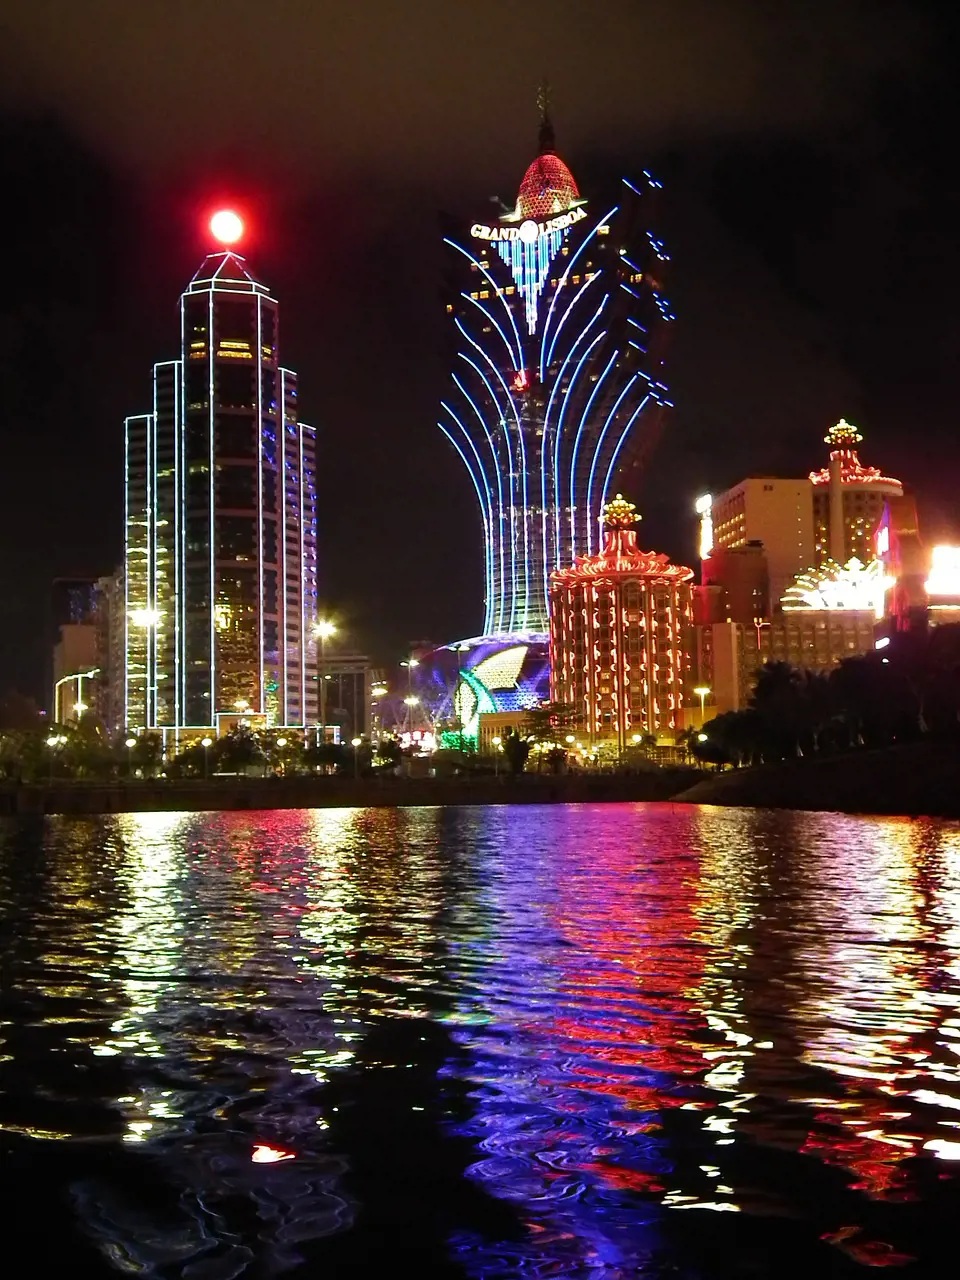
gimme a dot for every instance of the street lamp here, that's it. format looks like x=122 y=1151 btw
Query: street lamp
x=55 y=740
x=497 y=743
x=356 y=743
x=79 y=705
x=130 y=744
x=323 y=630
x=206 y=743
x=281 y=743
x=702 y=691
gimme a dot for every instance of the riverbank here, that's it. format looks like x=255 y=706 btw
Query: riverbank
x=918 y=779
x=217 y=794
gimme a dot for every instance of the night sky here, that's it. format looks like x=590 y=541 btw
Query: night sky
x=812 y=212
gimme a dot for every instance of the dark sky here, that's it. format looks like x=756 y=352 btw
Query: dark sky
x=812 y=210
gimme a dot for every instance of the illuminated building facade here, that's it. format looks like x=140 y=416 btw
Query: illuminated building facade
x=220 y=519
x=772 y=511
x=620 y=629
x=557 y=316
x=848 y=499
x=460 y=684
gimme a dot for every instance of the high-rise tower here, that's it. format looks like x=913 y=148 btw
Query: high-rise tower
x=558 y=316
x=221 y=514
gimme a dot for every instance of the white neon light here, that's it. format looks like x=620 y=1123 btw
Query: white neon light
x=212 y=419
x=488 y=605
x=944 y=577
x=855 y=586
x=558 y=434
x=260 y=548
x=596 y=456
x=510 y=462
x=576 y=449
x=487 y=516
x=518 y=363
x=620 y=443
x=563 y=280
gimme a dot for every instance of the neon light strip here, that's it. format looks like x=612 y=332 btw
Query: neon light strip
x=496 y=472
x=260 y=462
x=509 y=446
x=482 y=269
x=563 y=319
x=502 y=524
x=563 y=412
x=576 y=448
x=303 y=586
x=488 y=607
x=563 y=280
x=596 y=456
x=213 y=656
x=474 y=303
x=479 y=498
x=559 y=434
x=623 y=435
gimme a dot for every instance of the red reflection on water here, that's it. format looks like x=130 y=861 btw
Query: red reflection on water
x=626 y=923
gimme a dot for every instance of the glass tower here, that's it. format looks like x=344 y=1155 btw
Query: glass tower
x=221 y=521
x=557 y=319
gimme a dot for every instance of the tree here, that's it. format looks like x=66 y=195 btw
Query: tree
x=516 y=750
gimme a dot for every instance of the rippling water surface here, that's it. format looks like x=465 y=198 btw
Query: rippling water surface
x=623 y=1040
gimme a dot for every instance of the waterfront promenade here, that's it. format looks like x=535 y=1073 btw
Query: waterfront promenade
x=218 y=794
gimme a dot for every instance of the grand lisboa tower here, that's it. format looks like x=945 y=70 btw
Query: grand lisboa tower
x=557 y=319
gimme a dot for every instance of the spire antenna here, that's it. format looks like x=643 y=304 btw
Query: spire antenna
x=547 y=141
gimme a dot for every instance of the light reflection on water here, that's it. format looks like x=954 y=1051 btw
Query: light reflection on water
x=587 y=1040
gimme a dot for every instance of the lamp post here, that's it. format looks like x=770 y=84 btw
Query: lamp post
x=410 y=700
x=356 y=743
x=323 y=630
x=79 y=705
x=377 y=691
x=702 y=691
x=53 y=742
x=206 y=743
x=497 y=743
x=130 y=744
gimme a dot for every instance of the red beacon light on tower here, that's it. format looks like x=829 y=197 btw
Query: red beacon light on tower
x=226 y=226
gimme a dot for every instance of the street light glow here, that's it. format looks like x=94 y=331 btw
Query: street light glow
x=324 y=629
x=411 y=700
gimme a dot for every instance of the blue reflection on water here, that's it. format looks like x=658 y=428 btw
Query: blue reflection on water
x=587 y=1040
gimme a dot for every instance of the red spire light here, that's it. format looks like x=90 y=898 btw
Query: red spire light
x=226 y=226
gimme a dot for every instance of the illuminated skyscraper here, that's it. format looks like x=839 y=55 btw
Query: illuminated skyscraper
x=221 y=550
x=558 y=315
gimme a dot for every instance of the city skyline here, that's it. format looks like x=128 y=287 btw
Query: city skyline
x=780 y=200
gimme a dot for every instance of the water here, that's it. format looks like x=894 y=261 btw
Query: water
x=585 y=1041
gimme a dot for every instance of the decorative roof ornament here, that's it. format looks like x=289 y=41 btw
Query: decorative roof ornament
x=843 y=436
x=619 y=513
x=547 y=140
x=843 y=439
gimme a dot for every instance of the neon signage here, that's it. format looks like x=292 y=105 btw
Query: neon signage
x=528 y=230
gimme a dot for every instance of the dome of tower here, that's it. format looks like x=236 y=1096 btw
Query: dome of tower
x=548 y=188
